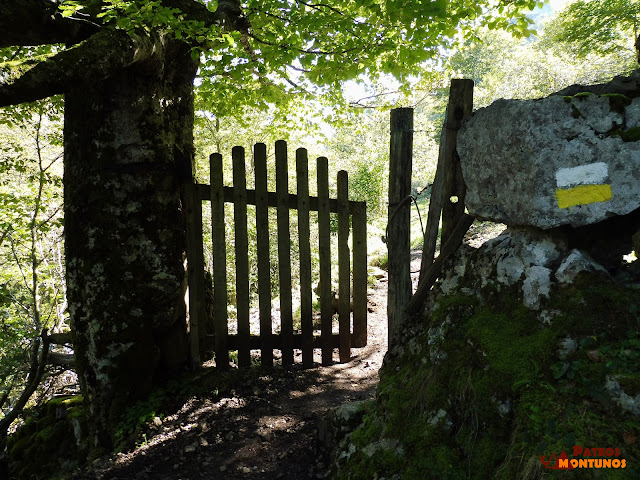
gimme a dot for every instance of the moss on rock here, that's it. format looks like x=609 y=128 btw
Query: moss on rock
x=482 y=385
x=629 y=135
x=52 y=442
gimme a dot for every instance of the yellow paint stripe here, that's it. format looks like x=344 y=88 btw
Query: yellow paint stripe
x=583 y=195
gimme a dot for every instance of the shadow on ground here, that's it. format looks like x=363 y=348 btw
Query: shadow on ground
x=253 y=424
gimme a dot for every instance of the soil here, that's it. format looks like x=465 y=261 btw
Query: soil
x=256 y=423
x=259 y=423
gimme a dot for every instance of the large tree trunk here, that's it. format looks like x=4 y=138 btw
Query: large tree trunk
x=128 y=149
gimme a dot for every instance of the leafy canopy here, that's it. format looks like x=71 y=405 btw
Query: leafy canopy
x=284 y=48
x=597 y=26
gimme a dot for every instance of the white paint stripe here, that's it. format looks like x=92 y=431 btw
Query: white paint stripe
x=591 y=174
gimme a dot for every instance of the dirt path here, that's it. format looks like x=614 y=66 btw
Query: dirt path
x=253 y=424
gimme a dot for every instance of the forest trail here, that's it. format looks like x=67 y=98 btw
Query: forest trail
x=256 y=424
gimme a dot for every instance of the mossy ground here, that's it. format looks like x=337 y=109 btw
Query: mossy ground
x=498 y=394
x=47 y=446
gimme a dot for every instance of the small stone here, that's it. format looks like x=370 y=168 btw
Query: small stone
x=223 y=468
x=203 y=442
x=246 y=470
x=190 y=449
x=594 y=356
x=157 y=421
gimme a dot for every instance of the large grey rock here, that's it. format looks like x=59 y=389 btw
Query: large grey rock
x=526 y=257
x=553 y=161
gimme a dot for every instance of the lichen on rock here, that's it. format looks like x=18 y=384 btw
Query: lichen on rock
x=526 y=347
x=559 y=160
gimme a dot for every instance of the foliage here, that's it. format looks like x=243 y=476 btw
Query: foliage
x=32 y=293
x=594 y=26
x=506 y=67
x=283 y=50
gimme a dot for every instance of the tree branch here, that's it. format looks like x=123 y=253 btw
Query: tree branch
x=228 y=14
x=94 y=59
x=39 y=22
x=319 y=6
x=39 y=358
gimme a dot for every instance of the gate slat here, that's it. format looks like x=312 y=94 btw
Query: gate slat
x=195 y=267
x=284 y=252
x=344 y=267
x=219 y=262
x=306 y=303
x=264 y=265
x=242 y=254
x=324 y=253
x=359 y=226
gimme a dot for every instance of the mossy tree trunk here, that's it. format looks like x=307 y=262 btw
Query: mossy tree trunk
x=128 y=149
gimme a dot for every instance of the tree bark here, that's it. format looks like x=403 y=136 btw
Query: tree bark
x=39 y=22
x=128 y=149
x=93 y=60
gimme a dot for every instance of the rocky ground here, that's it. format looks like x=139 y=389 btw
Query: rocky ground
x=255 y=424
x=258 y=423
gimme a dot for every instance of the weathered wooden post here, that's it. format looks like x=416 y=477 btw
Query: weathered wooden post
x=459 y=109
x=344 y=267
x=242 y=254
x=219 y=242
x=448 y=181
x=399 y=223
x=195 y=267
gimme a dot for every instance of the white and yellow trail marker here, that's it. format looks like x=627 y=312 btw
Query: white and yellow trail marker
x=583 y=185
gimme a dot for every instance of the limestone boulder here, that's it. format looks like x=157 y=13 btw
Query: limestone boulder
x=526 y=347
x=560 y=160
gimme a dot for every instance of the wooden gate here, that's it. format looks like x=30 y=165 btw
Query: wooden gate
x=287 y=340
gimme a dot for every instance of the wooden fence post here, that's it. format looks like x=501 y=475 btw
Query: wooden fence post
x=459 y=109
x=324 y=253
x=344 y=267
x=284 y=252
x=359 y=227
x=242 y=254
x=399 y=223
x=448 y=181
x=306 y=299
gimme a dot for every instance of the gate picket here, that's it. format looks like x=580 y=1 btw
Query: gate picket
x=344 y=267
x=221 y=328
x=359 y=228
x=284 y=252
x=242 y=254
x=306 y=302
x=264 y=263
x=324 y=253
